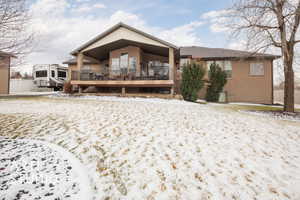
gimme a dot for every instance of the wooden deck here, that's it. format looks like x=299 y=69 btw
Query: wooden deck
x=141 y=95
x=127 y=83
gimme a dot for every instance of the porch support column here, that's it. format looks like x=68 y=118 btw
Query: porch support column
x=123 y=91
x=171 y=68
x=171 y=63
x=79 y=63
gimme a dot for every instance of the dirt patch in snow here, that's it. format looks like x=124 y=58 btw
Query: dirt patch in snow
x=279 y=115
x=36 y=170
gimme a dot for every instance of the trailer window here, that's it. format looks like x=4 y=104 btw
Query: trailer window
x=40 y=74
x=62 y=74
x=52 y=73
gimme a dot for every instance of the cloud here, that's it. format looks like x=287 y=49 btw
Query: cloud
x=59 y=31
x=183 y=35
x=88 y=8
x=99 y=5
x=217 y=20
x=238 y=45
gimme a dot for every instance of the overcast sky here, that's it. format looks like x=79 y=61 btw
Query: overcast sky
x=63 y=25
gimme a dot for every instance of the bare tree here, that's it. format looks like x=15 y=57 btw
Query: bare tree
x=15 y=36
x=267 y=24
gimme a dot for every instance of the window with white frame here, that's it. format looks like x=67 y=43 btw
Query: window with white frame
x=228 y=68
x=115 y=66
x=257 y=69
x=184 y=61
x=224 y=65
x=124 y=63
x=208 y=64
x=220 y=63
x=132 y=64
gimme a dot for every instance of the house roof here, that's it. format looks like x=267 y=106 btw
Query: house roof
x=86 y=60
x=219 y=53
x=117 y=26
x=6 y=54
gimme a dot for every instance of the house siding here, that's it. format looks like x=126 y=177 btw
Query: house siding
x=243 y=87
x=4 y=75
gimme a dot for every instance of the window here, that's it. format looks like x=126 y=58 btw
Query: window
x=52 y=73
x=40 y=74
x=62 y=74
x=225 y=65
x=132 y=64
x=184 y=61
x=165 y=70
x=228 y=68
x=115 y=66
x=208 y=64
x=220 y=63
x=257 y=69
x=124 y=63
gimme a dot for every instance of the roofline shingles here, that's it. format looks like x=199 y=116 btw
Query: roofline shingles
x=194 y=51
x=221 y=53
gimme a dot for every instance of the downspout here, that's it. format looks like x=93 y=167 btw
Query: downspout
x=8 y=84
x=272 y=81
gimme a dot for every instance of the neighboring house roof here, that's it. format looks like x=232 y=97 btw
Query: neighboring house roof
x=2 y=53
x=117 y=26
x=219 y=53
x=85 y=61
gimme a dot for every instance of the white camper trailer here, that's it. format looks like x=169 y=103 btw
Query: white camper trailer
x=51 y=76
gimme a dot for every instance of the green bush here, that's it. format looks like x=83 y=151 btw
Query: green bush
x=192 y=82
x=217 y=81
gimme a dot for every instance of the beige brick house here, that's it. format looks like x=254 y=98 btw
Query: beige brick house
x=126 y=60
x=5 y=59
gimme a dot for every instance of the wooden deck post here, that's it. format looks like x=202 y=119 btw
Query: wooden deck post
x=123 y=91
x=79 y=89
x=172 y=90
x=79 y=63
x=171 y=67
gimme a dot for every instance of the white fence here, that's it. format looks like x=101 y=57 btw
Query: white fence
x=21 y=86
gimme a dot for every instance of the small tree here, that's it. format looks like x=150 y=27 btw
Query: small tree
x=192 y=81
x=217 y=79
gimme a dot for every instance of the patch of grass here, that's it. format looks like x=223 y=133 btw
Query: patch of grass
x=201 y=102
x=257 y=108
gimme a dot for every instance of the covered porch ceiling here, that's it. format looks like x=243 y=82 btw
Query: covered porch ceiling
x=102 y=52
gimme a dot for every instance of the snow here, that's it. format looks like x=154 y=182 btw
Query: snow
x=275 y=115
x=140 y=148
x=29 y=94
x=39 y=170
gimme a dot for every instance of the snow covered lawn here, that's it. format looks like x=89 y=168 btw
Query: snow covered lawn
x=164 y=149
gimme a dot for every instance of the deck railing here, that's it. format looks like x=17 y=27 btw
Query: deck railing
x=155 y=74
